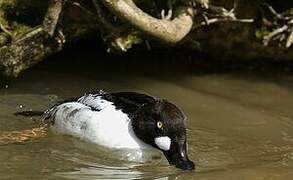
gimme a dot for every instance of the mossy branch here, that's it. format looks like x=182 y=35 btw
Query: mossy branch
x=33 y=46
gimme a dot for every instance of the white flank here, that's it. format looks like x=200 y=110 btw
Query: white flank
x=163 y=143
x=94 y=101
x=108 y=127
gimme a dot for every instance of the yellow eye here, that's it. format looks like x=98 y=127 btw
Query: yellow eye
x=160 y=125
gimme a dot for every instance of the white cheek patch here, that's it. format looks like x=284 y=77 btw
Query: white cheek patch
x=163 y=143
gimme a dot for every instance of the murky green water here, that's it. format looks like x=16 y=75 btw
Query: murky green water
x=240 y=126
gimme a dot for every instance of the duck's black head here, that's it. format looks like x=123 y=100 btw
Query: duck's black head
x=162 y=125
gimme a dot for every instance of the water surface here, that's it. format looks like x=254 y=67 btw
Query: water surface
x=240 y=126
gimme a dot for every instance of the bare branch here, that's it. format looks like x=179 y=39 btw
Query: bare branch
x=222 y=15
x=4 y=29
x=278 y=15
x=267 y=38
x=170 y=11
x=168 y=16
x=283 y=33
x=215 y=20
x=167 y=31
x=208 y=22
x=274 y=12
x=289 y=39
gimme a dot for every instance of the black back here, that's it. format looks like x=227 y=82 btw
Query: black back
x=128 y=102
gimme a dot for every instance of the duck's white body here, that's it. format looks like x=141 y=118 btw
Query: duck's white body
x=106 y=125
x=116 y=120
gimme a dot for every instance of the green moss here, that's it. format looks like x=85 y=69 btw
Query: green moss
x=267 y=26
x=20 y=29
x=288 y=12
x=4 y=39
x=124 y=42
x=19 y=16
x=8 y=6
x=262 y=32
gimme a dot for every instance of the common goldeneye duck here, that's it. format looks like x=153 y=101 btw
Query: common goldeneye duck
x=124 y=120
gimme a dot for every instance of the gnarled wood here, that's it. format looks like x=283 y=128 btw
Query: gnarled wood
x=169 y=31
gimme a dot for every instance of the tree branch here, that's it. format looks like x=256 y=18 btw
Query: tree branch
x=52 y=16
x=289 y=39
x=4 y=29
x=268 y=37
x=285 y=31
x=221 y=14
x=169 y=31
